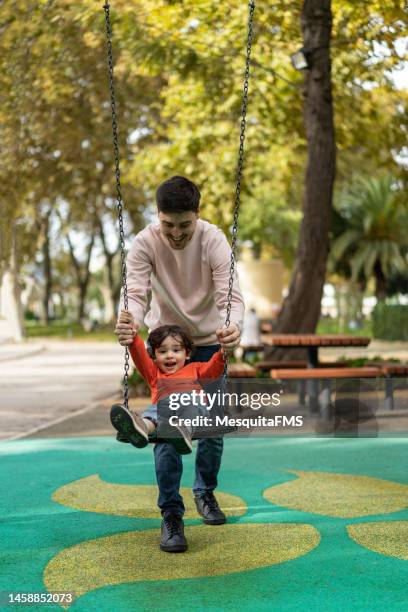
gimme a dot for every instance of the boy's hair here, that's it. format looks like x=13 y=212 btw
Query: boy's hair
x=176 y=195
x=158 y=335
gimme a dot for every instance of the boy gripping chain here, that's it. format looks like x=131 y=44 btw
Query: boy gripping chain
x=169 y=348
x=183 y=265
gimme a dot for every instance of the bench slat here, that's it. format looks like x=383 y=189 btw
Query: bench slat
x=326 y=373
x=264 y=365
x=241 y=370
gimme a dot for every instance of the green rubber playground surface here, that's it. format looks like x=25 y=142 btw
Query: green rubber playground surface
x=316 y=524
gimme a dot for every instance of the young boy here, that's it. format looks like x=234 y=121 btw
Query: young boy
x=164 y=369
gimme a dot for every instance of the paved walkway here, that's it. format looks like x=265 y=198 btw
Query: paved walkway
x=43 y=382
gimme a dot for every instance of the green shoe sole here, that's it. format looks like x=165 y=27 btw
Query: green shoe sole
x=123 y=422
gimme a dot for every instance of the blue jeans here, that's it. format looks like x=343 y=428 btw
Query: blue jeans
x=169 y=464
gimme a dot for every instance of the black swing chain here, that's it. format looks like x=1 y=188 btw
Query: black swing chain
x=119 y=199
x=239 y=170
x=119 y=203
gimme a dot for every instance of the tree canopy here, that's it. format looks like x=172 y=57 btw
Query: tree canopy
x=179 y=75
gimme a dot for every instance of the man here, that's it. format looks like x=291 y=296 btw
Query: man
x=183 y=263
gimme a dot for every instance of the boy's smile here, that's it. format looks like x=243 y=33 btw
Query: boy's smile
x=178 y=228
x=171 y=355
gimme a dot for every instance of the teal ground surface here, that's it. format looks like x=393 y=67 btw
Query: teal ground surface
x=337 y=575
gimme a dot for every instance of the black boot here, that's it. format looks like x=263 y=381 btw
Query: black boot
x=172 y=534
x=207 y=506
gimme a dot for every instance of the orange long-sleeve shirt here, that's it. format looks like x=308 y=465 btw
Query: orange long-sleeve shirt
x=184 y=380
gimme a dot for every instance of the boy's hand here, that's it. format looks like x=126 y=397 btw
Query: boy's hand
x=229 y=337
x=126 y=328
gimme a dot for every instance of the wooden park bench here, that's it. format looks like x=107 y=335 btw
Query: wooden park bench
x=268 y=365
x=241 y=370
x=325 y=374
x=390 y=371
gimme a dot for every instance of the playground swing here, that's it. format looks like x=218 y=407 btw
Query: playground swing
x=119 y=202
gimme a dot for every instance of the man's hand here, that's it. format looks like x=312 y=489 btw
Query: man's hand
x=229 y=337
x=126 y=328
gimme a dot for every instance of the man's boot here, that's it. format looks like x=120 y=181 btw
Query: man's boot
x=172 y=534
x=207 y=506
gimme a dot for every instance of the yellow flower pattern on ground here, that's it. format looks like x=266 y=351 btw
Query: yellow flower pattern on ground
x=388 y=538
x=138 y=501
x=213 y=551
x=338 y=495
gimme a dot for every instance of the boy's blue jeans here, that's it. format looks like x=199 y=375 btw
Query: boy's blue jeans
x=169 y=464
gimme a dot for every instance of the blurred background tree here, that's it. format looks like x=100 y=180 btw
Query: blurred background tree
x=374 y=240
x=178 y=75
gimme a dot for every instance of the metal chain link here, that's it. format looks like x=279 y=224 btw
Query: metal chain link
x=240 y=165
x=119 y=199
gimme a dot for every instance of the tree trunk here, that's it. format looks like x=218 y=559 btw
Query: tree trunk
x=83 y=288
x=83 y=274
x=301 y=309
x=114 y=287
x=11 y=309
x=46 y=268
x=380 y=282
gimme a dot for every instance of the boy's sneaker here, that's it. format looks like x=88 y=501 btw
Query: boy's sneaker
x=172 y=534
x=121 y=438
x=207 y=506
x=129 y=425
x=179 y=436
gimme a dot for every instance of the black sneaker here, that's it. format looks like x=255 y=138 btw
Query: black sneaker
x=207 y=506
x=172 y=534
x=130 y=426
x=179 y=436
x=121 y=438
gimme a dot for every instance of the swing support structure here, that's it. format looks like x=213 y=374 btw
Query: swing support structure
x=119 y=198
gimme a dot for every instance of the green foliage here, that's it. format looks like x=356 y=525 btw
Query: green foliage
x=178 y=79
x=359 y=362
x=390 y=321
x=333 y=326
x=68 y=331
x=138 y=387
x=374 y=231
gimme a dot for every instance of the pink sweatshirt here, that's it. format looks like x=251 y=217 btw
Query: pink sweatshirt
x=189 y=287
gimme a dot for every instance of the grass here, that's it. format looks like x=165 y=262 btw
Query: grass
x=60 y=330
x=331 y=326
x=68 y=331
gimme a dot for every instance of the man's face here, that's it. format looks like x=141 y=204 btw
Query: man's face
x=178 y=228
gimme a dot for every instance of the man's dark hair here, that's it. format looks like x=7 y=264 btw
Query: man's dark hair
x=158 y=335
x=177 y=194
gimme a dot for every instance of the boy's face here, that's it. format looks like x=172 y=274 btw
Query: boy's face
x=178 y=228
x=171 y=355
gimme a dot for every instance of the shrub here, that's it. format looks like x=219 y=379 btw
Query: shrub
x=390 y=321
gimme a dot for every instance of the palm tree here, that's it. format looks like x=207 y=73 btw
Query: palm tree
x=375 y=237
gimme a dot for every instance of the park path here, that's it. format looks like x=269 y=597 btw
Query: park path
x=45 y=381
x=44 y=384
